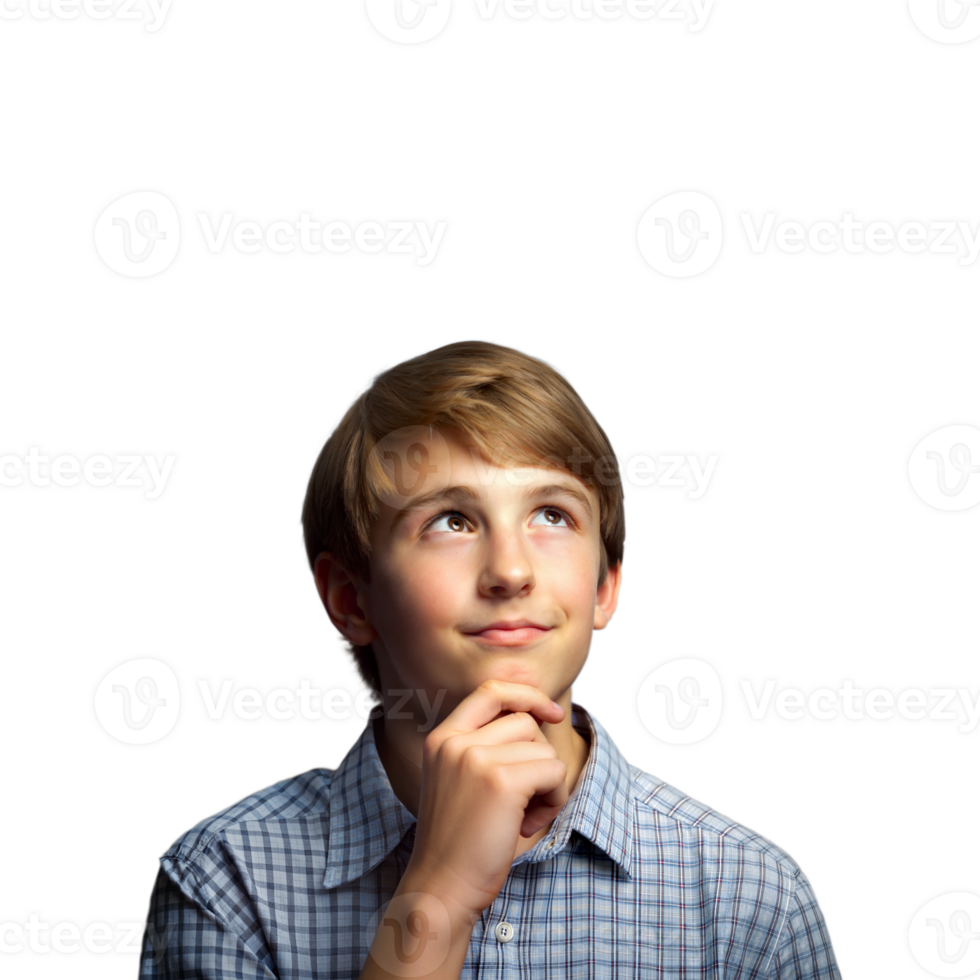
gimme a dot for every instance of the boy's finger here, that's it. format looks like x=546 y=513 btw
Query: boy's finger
x=547 y=793
x=518 y=753
x=556 y=797
x=492 y=698
x=507 y=728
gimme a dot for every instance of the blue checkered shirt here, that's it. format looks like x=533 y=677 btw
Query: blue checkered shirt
x=634 y=880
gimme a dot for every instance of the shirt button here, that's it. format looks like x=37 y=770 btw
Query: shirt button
x=504 y=932
x=549 y=845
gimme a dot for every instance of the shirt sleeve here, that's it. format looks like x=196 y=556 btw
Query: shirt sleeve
x=186 y=940
x=804 y=951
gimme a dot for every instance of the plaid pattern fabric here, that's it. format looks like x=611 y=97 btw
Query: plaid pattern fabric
x=636 y=880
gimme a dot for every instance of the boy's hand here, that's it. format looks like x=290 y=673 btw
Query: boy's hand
x=489 y=775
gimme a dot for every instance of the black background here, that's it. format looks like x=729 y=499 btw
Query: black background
x=541 y=143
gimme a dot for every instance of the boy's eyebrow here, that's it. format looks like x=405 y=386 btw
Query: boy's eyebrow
x=561 y=488
x=466 y=494
x=458 y=493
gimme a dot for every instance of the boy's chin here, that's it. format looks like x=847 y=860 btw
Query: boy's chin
x=522 y=672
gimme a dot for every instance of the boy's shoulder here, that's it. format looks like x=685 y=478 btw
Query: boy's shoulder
x=659 y=804
x=297 y=799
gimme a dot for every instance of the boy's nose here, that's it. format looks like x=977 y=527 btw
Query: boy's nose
x=507 y=569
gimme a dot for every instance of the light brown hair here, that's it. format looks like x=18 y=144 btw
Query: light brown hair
x=495 y=395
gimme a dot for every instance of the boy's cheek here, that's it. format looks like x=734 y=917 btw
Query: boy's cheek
x=420 y=600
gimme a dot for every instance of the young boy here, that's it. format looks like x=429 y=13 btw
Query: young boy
x=464 y=525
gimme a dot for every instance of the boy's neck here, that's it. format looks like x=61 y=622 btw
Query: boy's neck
x=400 y=747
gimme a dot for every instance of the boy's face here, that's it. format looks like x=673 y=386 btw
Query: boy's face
x=481 y=571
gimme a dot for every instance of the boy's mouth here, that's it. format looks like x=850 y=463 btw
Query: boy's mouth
x=509 y=634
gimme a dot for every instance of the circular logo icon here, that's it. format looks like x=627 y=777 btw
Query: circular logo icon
x=680 y=702
x=138 y=702
x=408 y=463
x=944 y=935
x=409 y=21
x=414 y=936
x=681 y=234
x=944 y=468
x=947 y=21
x=138 y=235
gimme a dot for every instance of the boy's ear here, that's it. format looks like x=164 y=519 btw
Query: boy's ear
x=338 y=593
x=607 y=596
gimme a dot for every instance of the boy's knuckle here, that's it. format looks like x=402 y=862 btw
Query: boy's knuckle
x=497 y=779
x=526 y=721
x=432 y=746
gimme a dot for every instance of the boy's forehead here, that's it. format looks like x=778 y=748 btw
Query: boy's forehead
x=420 y=461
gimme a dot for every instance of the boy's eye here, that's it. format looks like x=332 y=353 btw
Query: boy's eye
x=455 y=523
x=448 y=522
x=550 y=516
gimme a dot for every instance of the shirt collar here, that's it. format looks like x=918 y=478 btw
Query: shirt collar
x=602 y=806
x=368 y=821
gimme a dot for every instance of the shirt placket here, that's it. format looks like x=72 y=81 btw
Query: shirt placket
x=501 y=943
